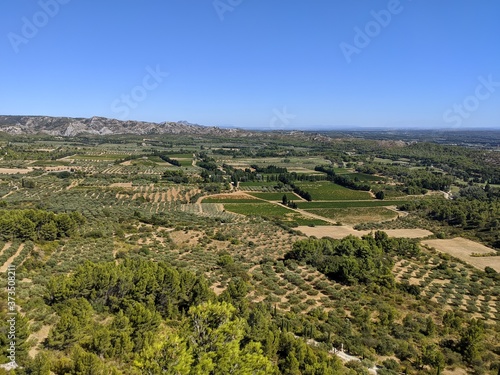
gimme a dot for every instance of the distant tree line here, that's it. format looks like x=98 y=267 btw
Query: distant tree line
x=268 y=169
x=169 y=160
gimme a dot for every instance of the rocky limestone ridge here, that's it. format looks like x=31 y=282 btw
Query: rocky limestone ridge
x=70 y=127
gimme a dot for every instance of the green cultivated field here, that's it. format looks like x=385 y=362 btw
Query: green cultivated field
x=98 y=157
x=257 y=183
x=230 y=200
x=157 y=159
x=257 y=209
x=50 y=163
x=355 y=215
x=327 y=191
x=363 y=177
x=180 y=156
x=185 y=162
x=347 y=204
x=276 y=196
x=272 y=211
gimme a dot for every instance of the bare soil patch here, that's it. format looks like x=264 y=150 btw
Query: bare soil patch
x=342 y=231
x=39 y=337
x=15 y=170
x=457 y=371
x=127 y=185
x=182 y=238
x=217 y=289
x=408 y=233
x=462 y=249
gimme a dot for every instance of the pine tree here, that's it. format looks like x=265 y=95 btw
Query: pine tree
x=284 y=200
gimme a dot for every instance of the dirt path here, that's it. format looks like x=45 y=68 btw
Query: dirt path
x=5 y=247
x=395 y=209
x=344 y=357
x=73 y=184
x=9 y=193
x=9 y=261
x=39 y=337
x=311 y=215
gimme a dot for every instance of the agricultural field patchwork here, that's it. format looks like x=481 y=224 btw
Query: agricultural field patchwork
x=327 y=191
x=119 y=204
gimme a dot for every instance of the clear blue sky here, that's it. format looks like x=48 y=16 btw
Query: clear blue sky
x=260 y=63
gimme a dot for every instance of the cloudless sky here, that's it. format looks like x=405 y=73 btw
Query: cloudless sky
x=271 y=64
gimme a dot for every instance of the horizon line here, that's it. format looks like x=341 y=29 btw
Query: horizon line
x=311 y=128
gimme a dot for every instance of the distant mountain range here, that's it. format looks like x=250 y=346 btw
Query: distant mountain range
x=70 y=127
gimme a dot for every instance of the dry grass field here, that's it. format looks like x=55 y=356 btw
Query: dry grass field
x=342 y=231
x=463 y=249
x=15 y=170
x=125 y=185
